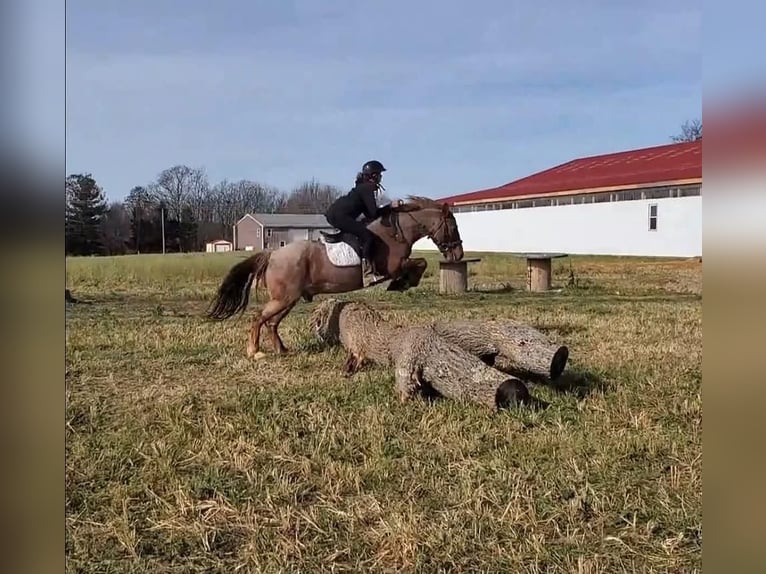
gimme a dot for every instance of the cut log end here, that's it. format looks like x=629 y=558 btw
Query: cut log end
x=559 y=362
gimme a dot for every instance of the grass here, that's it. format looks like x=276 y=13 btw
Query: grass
x=182 y=455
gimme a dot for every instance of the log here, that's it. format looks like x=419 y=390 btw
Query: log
x=539 y=270
x=362 y=331
x=539 y=274
x=424 y=362
x=453 y=276
x=427 y=364
x=509 y=346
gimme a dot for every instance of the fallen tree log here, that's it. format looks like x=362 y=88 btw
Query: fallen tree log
x=424 y=362
x=509 y=346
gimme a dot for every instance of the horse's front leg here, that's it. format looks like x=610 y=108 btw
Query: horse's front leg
x=416 y=268
x=410 y=274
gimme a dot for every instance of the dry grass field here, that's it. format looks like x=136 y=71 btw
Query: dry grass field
x=183 y=455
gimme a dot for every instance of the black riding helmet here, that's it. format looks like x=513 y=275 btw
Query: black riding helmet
x=373 y=167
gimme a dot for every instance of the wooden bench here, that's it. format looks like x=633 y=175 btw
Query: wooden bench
x=539 y=269
x=453 y=275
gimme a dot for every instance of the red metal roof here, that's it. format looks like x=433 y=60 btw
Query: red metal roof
x=646 y=166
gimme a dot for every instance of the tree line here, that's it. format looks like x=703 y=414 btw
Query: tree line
x=191 y=210
x=180 y=199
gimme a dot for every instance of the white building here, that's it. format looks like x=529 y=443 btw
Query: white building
x=644 y=202
x=218 y=246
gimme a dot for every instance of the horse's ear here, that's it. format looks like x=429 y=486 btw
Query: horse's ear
x=445 y=208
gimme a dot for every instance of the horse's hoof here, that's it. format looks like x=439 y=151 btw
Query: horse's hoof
x=253 y=354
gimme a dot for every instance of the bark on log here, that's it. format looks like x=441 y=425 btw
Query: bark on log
x=360 y=329
x=423 y=361
x=509 y=346
x=426 y=362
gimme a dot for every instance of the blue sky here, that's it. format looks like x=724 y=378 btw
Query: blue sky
x=451 y=96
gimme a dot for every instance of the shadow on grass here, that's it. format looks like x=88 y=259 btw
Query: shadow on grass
x=511 y=395
x=579 y=383
x=312 y=345
x=559 y=329
x=492 y=288
x=72 y=300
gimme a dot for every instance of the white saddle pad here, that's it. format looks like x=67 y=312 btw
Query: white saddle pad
x=341 y=254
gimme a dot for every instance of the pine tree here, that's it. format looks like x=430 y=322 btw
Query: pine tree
x=85 y=209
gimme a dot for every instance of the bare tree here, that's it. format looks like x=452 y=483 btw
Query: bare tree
x=139 y=204
x=690 y=131
x=187 y=198
x=232 y=200
x=116 y=229
x=179 y=186
x=311 y=197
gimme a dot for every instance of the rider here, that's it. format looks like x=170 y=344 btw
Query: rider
x=361 y=200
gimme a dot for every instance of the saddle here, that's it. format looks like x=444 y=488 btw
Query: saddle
x=333 y=236
x=342 y=248
x=345 y=249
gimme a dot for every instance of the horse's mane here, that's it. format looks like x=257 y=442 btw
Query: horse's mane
x=416 y=202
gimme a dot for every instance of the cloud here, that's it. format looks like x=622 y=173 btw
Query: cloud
x=450 y=99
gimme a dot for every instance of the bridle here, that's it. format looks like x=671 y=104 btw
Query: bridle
x=430 y=233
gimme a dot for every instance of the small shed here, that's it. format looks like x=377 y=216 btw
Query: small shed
x=218 y=246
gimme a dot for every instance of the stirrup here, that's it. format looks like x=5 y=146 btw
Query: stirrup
x=368 y=273
x=369 y=279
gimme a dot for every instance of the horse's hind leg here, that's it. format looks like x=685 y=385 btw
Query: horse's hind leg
x=273 y=324
x=270 y=310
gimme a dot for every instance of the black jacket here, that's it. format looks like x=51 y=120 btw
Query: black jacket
x=360 y=200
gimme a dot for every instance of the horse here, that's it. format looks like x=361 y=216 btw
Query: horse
x=332 y=264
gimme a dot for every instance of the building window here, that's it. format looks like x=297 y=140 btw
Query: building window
x=653 y=217
x=268 y=233
x=281 y=243
x=657 y=193
x=650 y=193
x=257 y=231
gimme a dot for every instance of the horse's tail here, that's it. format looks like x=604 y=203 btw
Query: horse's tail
x=234 y=293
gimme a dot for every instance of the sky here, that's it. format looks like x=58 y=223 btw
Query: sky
x=452 y=96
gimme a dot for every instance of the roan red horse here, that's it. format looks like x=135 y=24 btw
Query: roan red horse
x=306 y=268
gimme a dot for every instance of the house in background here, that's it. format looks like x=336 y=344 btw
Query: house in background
x=258 y=231
x=645 y=202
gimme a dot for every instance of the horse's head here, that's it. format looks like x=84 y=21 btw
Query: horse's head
x=436 y=221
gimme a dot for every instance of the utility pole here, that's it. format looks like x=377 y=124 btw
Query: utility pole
x=162 y=219
x=137 y=214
